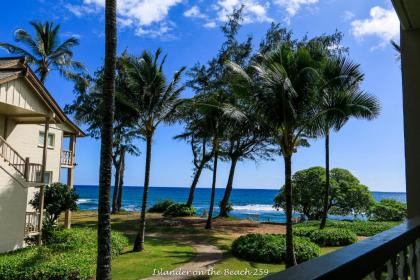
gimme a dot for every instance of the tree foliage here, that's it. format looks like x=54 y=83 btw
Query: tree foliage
x=58 y=198
x=388 y=210
x=45 y=50
x=348 y=195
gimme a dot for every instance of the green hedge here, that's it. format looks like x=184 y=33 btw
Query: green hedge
x=360 y=228
x=271 y=248
x=179 y=210
x=161 y=206
x=327 y=236
x=388 y=210
x=70 y=255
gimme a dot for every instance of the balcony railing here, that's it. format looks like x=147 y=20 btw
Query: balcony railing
x=30 y=171
x=31 y=223
x=393 y=254
x=67 y=158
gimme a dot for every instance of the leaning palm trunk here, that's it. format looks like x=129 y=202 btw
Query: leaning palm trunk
x=290 y=252
x=194 y=183
x=121 y=182
x=213 y=185
x=327 y=181
x=103 y=264
x=228 y=191
x=117 y=165
x=139 y=243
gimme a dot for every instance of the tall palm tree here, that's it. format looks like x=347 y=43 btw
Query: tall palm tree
x=103 y=264
x=45 y=50
x=283 y=92
x=197 y=134
x=213 y=109
x=156 y=101
x=340 y=100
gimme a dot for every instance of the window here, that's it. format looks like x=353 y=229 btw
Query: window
x=50 y=140
x=47 y=177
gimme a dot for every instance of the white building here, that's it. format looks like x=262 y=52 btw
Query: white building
x=28 y=113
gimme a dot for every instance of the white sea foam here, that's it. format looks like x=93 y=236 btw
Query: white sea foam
x=84 y=200
x=254 y=207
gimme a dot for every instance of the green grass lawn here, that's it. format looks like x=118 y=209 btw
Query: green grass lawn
x=168 y=253
x=158 y=253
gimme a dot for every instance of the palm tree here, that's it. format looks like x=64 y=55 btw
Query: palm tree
x=156 y=101
x=212 y=107
x=46 y=51
x=397 y=48
x=103 y=264
x=247 y=139
x=341 y=99
x=197 y=134
x=283 y=94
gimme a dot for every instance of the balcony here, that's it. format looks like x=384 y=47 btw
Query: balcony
x=32 y=223
x=67 y=158
x=393 y=254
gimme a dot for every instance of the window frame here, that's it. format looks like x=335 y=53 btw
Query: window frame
x=50 y=134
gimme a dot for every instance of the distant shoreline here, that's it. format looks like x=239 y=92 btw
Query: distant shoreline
x=224 y=188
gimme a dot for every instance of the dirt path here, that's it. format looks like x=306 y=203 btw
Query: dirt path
x=206 y=256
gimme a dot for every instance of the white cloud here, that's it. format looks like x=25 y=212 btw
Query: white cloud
x=210 y=24
x=348 y=15
x=254 y=11
x=293 y=6
x=139 y=14
x=382 y=23
x=194 y=12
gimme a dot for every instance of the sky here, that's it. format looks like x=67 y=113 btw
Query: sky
x=189 y=32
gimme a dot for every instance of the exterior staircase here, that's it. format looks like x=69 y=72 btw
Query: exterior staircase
x=31 y=172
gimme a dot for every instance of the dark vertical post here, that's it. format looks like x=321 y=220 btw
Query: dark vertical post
x=42 y=189
x=410 y=64
x=70 y=177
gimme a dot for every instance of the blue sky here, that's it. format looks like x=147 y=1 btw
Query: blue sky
x=188 y=31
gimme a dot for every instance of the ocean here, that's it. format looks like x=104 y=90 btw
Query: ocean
x=247 y=203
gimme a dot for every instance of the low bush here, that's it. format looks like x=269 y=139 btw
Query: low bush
x=360 y=228
x=68 y=255
x=388 y=210
x=271 y=248
x=161 y=206
x=179 y=210
x=327 y=236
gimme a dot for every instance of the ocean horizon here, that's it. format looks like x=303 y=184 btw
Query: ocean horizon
x=247 y=202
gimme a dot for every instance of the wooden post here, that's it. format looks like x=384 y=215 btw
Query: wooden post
x=42 y=189
x=410 y=63
x=70 y=177
x=26 y=171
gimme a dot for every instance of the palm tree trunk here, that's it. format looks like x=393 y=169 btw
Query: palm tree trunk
x=327 y=181
x=103 y=263
x=121 y=182
x=139 y=243
x=117 y=166
x=213 y=186
x=290 y=252
x=228 y=191
x=194 y=183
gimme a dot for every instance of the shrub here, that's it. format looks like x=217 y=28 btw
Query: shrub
x=360 y=228
x=69 y=254
x=271 y=248
x=388 y=210
x=57 y=199
x=327 y=236
x=179 y=210
x=161 y=206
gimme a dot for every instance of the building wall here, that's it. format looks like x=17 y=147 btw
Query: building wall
x=19 y=93
x=13 y=205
